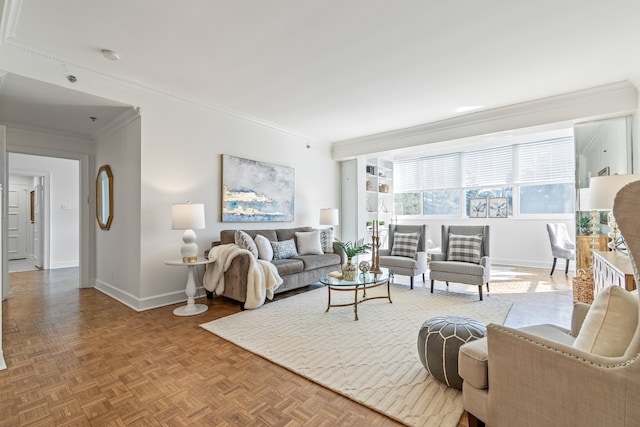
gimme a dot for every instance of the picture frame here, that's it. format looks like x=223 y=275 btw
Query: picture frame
x=478 y=208
x=498 y=207
x=604 y=171
x=254 y=191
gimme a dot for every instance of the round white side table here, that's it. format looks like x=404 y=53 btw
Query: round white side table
x=191 y=309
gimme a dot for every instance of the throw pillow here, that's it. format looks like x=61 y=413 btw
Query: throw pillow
x=309 y=242
x=405 y=244
x=284 y=249
x=245 y=241
x=326 y=240
x=610 y=323
x=265 y=251
x=464 y=248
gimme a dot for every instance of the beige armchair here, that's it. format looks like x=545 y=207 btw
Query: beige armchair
x=412 y=260
x=545 y=375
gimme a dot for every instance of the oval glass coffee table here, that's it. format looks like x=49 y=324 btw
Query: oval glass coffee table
x=363 y=282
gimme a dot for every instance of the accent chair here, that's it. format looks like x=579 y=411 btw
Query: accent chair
x=407 y=253
x=546 y=375
x=464 y=257
x=561 y=245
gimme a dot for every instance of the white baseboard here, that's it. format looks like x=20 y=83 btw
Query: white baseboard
x=64 y=264
x=142 y=304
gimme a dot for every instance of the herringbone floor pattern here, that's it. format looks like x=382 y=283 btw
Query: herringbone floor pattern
x=76 y=357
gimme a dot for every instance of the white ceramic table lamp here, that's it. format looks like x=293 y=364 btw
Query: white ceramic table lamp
x=602 y=192
x=188 y=216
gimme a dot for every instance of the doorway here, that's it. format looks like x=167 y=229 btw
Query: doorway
x=46 y=230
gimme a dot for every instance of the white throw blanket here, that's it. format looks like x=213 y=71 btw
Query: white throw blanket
x=262 y=279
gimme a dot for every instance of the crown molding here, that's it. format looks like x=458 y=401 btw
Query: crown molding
x=122 y=120
x=620 y=98
x=72 y=136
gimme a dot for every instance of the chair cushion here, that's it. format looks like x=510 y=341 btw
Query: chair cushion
x=457 y=267
x=308 y=242
x=464 y=248
x=265 y=251
x=326 y=240
x=405 y=244
x=610 y=323
x=397 y=262
x=284 y=249
x=245 y=241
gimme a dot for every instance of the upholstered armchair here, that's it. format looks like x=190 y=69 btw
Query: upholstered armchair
x=561 y=245
x=545 y=375
x=407 y=253
x=464 y=258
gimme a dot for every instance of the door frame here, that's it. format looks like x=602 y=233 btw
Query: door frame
x=86 y=225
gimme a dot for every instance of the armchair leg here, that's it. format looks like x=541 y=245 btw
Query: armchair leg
x=480 y=291
x=431 y=285
x=566 y=268
x=423 y=279
x=553 y=267
x=488 y=287
x=474 y=421
x=411 y=282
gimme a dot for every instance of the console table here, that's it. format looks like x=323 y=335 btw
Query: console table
x=612 y=268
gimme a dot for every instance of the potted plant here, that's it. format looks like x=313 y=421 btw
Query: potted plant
x=584 y=223
x=352 y=249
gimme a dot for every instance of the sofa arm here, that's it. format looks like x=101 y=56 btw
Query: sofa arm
x=421 y=261
x=338 y=250
x=530 y=375
x=580 y=310
x=439 y=257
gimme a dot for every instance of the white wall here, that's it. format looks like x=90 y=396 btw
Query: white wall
x=62 y=214
x=118 y=249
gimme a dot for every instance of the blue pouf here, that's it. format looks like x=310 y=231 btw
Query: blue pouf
x=439 y=340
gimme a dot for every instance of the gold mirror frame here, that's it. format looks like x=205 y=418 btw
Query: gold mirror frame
x=104 y=197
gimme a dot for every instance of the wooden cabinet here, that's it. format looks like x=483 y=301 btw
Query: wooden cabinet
x=612 y=268
x=583 y=245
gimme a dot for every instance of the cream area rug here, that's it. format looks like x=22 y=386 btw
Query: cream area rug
x=374 y=360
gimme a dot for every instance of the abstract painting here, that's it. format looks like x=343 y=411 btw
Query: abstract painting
x=254 y=191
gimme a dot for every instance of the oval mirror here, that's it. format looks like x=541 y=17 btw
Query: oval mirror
x=104 y=197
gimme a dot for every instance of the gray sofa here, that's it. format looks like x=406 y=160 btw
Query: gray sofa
x=296 y=272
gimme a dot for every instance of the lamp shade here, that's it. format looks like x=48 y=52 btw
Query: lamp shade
x=187 y=216
x=603 y=189
x=329 y=216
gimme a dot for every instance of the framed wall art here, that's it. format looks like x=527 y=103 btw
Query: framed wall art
x=254 y=191
x=478 y=208
x=498 y=207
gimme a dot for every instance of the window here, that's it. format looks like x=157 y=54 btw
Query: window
x=541 y=173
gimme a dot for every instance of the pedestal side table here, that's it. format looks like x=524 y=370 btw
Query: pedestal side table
x=191 y=309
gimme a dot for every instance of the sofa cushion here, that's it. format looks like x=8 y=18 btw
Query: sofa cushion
x=244 y=241
x=473 y=363
x=610 y=323
x=405 y=244
x=288 y=266
x=308 y=242
x=311 y=262
x=326 y=240
x=229 y=236
x=284 y=249
x=265 y=250
x=289 y=233
x=464 y=248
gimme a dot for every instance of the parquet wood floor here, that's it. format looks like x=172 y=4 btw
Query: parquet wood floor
x=76 y=357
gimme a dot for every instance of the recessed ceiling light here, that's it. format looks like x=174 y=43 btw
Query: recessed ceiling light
x=469 y=108
x=111 y=55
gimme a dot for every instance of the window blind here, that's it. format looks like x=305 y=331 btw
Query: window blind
x=490 y=167
x=546 y=161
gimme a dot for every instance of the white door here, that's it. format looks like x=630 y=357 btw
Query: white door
x=17 y=221
x=38 y=241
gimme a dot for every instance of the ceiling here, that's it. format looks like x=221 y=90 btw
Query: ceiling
x=327 y=70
